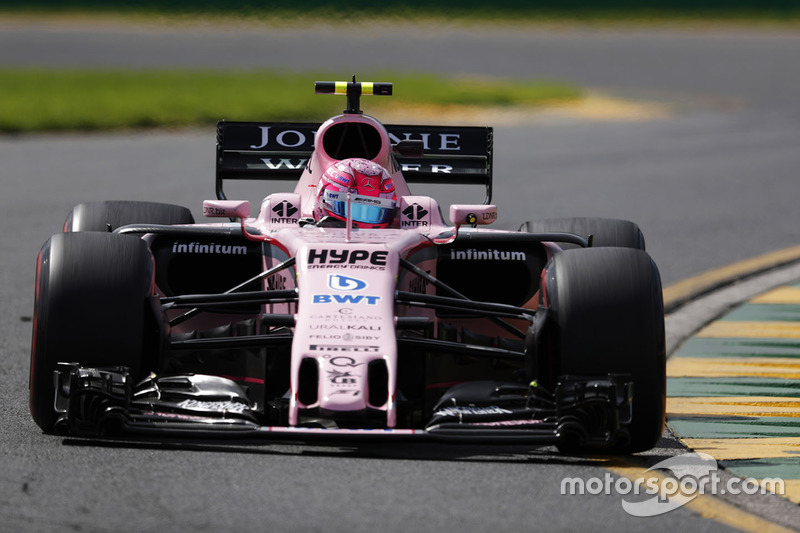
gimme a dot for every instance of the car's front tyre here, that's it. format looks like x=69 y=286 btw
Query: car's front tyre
x=92 y=306
x=605 y=316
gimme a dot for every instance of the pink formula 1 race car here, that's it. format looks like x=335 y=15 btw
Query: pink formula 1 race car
x=349 y=307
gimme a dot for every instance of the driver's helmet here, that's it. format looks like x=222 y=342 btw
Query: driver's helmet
x=372 y=196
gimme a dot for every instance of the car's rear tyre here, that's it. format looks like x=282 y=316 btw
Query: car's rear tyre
x=605 y=315
x=606 y=231
x=100 y=216
x=92 y=306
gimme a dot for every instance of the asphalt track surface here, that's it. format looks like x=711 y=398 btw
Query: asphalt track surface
x=714 y=183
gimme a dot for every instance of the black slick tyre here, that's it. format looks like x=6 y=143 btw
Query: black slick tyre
x=100 y=216
x=92 y=306
x=610 y=232
x=605 y=315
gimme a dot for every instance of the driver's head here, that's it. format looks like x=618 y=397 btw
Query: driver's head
x=372 y=196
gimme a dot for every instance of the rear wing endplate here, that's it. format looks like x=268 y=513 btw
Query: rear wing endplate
x=281 y=150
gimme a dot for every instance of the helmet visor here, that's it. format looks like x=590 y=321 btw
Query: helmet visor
x=366 y=209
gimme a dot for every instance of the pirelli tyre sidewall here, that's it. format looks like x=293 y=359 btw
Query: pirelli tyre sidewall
x=606 y=315
x=92 y=306
x=99 y=216
x=606 y=232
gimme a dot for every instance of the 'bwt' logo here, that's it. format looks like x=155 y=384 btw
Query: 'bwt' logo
x=338 y=282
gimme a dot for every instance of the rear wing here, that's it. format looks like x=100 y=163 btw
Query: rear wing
x=281 y=150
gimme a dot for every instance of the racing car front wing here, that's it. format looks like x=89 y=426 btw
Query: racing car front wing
x=104 y=402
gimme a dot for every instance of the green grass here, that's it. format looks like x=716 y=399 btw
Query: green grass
x=88 y=100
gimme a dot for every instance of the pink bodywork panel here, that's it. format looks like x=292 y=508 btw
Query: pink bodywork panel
x=346 y=281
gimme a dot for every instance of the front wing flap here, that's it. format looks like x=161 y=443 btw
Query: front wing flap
x=103 y=402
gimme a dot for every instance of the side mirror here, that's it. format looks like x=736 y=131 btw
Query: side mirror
x=473 y=215
x=226 y=208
